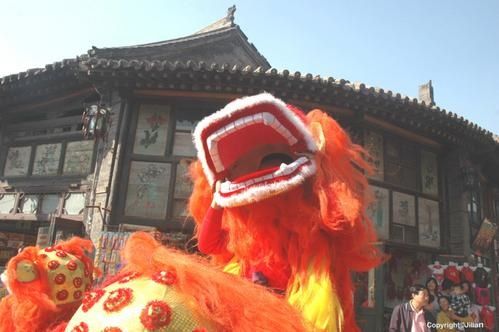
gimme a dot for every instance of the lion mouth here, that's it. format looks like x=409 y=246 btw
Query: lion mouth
x=257 y=146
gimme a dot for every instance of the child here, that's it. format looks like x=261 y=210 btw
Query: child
x=459 y=302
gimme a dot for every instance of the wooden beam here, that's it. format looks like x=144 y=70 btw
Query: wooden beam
x=185 y=94
x=50 y=102
x=328 y=109
x=402 y=132
x=231 y=96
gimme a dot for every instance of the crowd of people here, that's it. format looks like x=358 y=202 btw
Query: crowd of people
x=447 y=307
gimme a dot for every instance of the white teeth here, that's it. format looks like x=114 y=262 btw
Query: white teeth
x=230 y=128
x=213 y=147
x=239 y=123
x=268 y=118
x=228 y=187
x=225 y=186
x=248 y=120
x=258 y=117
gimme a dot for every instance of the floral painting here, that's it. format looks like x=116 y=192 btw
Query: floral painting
x=183 y=183
x=373 y=143
x=429 y=223
x=379 y=212
x=429 y=173
x=78 y=159
x=47 y=158
x=17 y=162
x=147 y=194
x=152 y=129
x=404 y=209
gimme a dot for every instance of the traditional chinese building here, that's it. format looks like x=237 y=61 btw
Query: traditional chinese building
x=436 y=184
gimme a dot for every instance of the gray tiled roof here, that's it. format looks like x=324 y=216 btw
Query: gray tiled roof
x=309 y=87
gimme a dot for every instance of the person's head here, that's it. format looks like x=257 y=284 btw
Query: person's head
x=465 y=285
x=446 y=285
x=432 y=285
x=443 y=302
x=429 y=305
x=419 y=295
x=457 y=290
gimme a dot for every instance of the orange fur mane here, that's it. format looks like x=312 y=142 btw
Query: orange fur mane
x=321 y=222
x=28 y=307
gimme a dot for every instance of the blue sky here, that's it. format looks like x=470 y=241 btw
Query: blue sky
x=395 y=45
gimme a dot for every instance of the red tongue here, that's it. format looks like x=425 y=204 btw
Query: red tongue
x=256 y=174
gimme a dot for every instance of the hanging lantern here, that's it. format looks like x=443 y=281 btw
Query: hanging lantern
x=94 y=121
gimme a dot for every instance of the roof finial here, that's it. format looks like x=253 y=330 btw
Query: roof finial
x=426 y=93
x=230 y=14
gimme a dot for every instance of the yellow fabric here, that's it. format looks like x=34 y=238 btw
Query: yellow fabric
x=233 y=267
x=69 y=277
x=316 y=298
x=445 y=321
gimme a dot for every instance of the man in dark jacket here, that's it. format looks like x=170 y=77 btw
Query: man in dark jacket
x=411 y=316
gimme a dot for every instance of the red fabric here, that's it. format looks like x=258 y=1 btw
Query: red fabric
x=487 y=316
x=452 y=274
x=467 y=274
x=482 y=296
x=212 y=238
x=437 y=272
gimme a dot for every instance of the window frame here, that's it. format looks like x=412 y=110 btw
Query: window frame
x=417 y=193
x=198 y=109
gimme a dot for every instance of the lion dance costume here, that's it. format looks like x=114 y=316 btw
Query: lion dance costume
x=46 y=286
x=288 y=213
x=292 y=198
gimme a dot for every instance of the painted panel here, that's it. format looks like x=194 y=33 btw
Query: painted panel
x=47 y=159
x=404 y=209
x=17 y=162
x=429 y=173
x=78 y=159
x=183 y=145
x=147 y=194
x=373 y=143
x=152 y=130
x=429 y=223
x=183 y=183
x=379 y=212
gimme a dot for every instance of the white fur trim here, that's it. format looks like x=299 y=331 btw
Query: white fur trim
x=5 y=281
x=238 y=105
x=260 y=192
